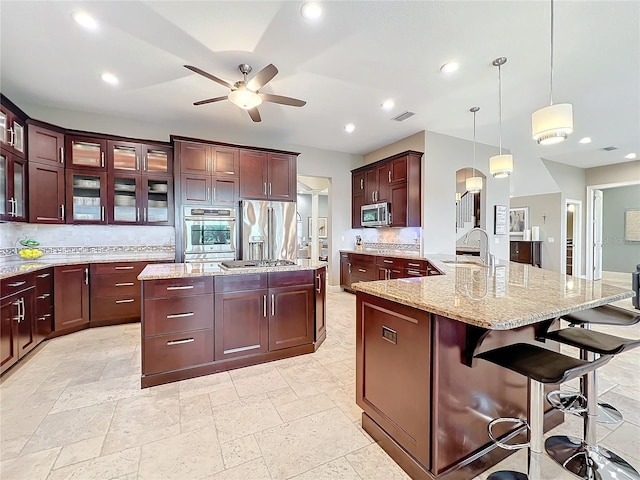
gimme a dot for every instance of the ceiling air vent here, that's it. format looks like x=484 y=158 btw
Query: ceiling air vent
x=403 y=116
x=610 y=149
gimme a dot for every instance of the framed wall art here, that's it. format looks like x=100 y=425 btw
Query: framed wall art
x=632 y=225
x=500 y=220
x=518 y=220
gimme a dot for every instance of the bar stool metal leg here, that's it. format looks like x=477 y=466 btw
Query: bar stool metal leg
x=536 y=431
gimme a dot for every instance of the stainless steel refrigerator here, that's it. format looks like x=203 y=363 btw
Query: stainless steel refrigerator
x=268 y=230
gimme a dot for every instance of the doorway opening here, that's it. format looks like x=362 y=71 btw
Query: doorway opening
x=314 y=219
x=573 y=229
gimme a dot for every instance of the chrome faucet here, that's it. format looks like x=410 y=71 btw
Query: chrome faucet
x=485 y=255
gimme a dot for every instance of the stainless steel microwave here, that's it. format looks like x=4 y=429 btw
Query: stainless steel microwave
x=376 y=215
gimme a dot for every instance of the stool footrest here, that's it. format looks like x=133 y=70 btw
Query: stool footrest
x=518 y=422
x=568 y=402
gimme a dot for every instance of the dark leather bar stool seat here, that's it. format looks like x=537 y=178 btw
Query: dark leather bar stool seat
x=540 y=366
x=603 y=315
x=585 y=458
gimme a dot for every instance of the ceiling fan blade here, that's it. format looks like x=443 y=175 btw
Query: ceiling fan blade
x=210 y=77
x=294 y=102
x=263 y=77
x=210 y=100
x=254 y=114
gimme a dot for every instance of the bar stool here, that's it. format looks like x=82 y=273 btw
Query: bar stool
x=586 y=458
x=540 y=366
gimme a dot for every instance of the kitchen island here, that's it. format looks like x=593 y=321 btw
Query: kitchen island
x=426 y=400
x=201 y=318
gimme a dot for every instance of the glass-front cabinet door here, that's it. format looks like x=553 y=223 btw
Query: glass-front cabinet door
x=12 y=187
x=4 y=186
x=86 y=152
x=124 y=156
x=86 y=197
x=19 y=200
x=159 y=201
x=124 y=198
x=157 y=160
x=11 y=131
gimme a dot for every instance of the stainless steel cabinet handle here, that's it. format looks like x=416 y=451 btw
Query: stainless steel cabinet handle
x=62 y=212
x=137 y=162
x=413 y=264
x=12 y=210
x=387 y=261
x=16 y=284
x=349 y=268
x=181 y=315
x=179 y=342
x=17 y=304
x=144 y=214
x=128 y=267
x=138 y=214
x=319 y=289
x=102 y=159
x=264 y=306
x=43 y=296
x=413 y=272
x=22 y=310
x=264 y=190
x=102 y=212
x=86 y=276
x=362 y=270
x=269 y=188
x=181 y=287
x=62 y=155
x=207 y=197
x=124 y=284
x=389 y=176
x=213 y=198
x=273 y=305
x=128 y=300
x=12 y=138
x=362 y=184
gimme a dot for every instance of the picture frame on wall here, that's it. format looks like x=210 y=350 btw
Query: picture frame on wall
x=500 y=220
x=518 y=221
x=632 y=225
x=322 y=227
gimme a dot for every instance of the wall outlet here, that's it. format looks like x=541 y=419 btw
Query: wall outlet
x=551 y=239
x=342 y=238
x=496 y=240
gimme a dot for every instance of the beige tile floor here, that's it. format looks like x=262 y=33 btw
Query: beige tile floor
x=74 y=410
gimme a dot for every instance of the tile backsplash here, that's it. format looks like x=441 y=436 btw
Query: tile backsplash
x=391 y=238
x=73 y=239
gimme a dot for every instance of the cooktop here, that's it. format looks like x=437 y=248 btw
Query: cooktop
x=256 y=263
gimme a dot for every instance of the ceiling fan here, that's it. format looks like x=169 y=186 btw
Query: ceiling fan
x=246 y=95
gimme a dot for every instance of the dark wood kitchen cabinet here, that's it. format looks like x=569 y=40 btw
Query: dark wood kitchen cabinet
x=86 y=152
x=115 y=292
x=267 y=176
x=139 y=199
x=241 y=315
x=44 y=304
x=47 y=203
x=396 y=180
x=525 y=251
x=345 y=271
x=291 y=312
x=17 y=320
x=142 y=158
x=86 y=192
x=13 y=187
x=12 y=137
x=321 y=304
x=71 y=297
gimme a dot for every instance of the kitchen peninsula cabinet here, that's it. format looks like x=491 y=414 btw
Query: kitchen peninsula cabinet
x=71 y=297
x=17 y=320
x=395 y=180
x=267 y=176
x=13 y=187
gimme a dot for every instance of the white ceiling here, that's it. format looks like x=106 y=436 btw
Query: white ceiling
x=359 y=54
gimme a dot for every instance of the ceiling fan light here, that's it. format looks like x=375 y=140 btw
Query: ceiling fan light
x=473 y=184
x=552 y=124
x=501 y=166
x=244 y=98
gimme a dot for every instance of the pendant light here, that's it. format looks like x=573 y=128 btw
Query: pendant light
x=554 y=123
x=473 y=184
x=500 y=165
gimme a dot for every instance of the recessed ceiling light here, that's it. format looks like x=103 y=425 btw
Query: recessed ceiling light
x=349 y=127
x=85 y=20
x=585 y=140
x=388 y=105
x=630 y=156
x=311 y=10
x=449 y=67
x=109 y=78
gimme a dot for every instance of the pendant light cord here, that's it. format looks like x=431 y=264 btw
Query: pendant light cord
x=474 y=143
x=551 y=76
x=500 y=106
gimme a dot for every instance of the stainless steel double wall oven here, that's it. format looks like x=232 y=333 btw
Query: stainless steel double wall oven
x=210 y=234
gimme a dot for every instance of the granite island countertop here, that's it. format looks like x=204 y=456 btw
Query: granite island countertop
x=509 y=296
x=160 y=271
x=9 y=268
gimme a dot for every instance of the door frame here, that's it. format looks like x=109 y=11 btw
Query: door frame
x=576 y=265
x=589 y=245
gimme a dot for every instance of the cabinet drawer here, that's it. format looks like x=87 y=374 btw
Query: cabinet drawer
x=182 y=314
x=16 y=284
x=44 y=280
x=177 y=287
x=362 y=258
x=44 y=303
x=411 y=272
x=239 y=283
x=364 y=272
x=389 y=262
x=122 y=307
x=120 y=267
x=179 y=350
x=117 y=284
x=415 y=264
x=287 y=279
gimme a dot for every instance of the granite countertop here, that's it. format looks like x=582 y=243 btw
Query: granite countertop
x=510 y=296
x=160 y=271
x=9 y=268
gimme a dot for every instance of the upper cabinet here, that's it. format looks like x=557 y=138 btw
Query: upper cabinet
x=13 y=187
x=140 y=158
x=12 y=136
x=395 y=180
x=45 y=145
x=267 y=176
x=86 y=152
x=203 y=159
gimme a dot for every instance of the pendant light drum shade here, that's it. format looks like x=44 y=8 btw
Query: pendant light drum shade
x=552 y=124
x=473 y=184
x=501 y=166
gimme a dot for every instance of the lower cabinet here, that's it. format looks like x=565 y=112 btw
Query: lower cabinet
x=291 y=315
x=17 y=320
x=525 y=251
x=71 y=297
x=321 y=304
x=44 y=304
